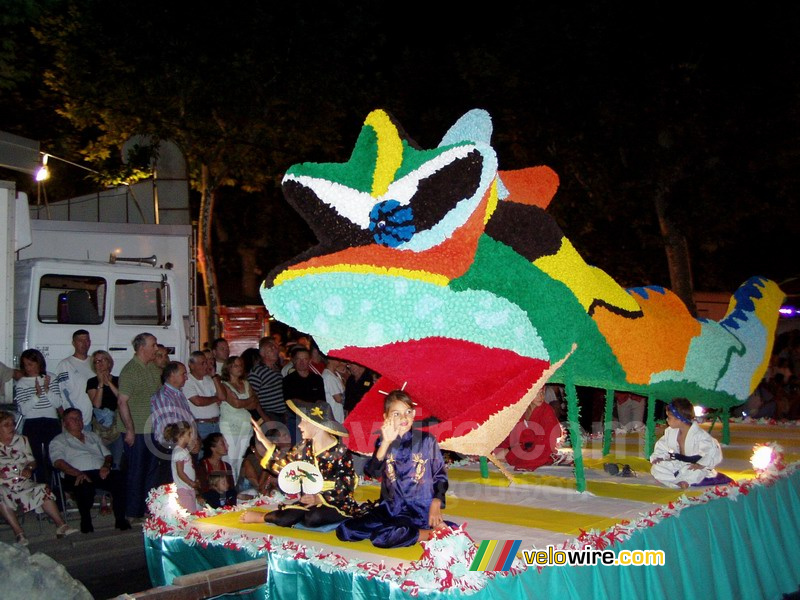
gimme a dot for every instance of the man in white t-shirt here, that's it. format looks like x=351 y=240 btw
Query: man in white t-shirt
x=204 y=394
x=334 y=387
x=72 y=373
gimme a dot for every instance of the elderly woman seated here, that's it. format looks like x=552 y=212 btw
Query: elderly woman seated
x=16 y=486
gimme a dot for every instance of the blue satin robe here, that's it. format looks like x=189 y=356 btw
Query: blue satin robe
x=413 y=474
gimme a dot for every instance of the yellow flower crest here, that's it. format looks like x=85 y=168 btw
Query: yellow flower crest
x=390 y=151
x=316 y=412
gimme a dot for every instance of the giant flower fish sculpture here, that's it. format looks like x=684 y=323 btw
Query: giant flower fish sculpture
x=442 y=273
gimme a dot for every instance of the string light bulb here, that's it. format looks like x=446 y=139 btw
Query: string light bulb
x=43 y=172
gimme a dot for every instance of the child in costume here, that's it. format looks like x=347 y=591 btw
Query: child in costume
x=532 y=442
x=322 y=447
x=685 y=454
x=414 y=482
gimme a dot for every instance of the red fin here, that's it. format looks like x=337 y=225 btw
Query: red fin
x=534 y=185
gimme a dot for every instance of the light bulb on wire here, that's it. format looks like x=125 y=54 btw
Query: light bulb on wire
x=43 y=173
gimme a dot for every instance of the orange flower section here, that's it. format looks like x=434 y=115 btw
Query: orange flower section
x=657 y=341
x=452 y=258
x=534 y=185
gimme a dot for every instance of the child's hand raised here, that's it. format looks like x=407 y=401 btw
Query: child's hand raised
x=261 y=439
x=389 y=431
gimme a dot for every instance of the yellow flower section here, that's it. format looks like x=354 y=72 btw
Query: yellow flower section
x=765 y=312
x=425 y=276
x=390 y=151
x=588 y=283
x=491 y=205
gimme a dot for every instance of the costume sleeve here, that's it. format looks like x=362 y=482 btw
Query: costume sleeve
x=374 y=467
x=344 y=479
x=661 y=449
x=710 y=451
x=274 y=460
x=438 y=472
x=552 y=429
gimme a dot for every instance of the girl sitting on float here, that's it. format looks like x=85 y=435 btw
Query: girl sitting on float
x=414 y=482
x=321 y=446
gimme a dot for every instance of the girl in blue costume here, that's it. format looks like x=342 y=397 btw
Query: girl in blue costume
x=414 y=482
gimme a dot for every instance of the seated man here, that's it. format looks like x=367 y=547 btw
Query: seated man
x=86 y=464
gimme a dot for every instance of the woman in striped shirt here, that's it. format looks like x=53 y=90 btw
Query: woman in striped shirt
x=38 y=400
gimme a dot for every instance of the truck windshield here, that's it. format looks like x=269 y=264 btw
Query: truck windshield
x=142 y=303
x=71 y=299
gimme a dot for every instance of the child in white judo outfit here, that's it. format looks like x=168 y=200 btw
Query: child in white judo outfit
x=685 y=454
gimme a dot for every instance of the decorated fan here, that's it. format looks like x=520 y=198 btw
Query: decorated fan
x=300 y=477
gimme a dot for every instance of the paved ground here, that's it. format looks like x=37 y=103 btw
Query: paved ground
x=108 y=562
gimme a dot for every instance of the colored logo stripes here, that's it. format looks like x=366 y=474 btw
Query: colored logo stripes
x=495 y=555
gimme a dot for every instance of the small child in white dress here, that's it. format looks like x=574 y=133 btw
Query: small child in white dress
x=685 y=454
x=183 y=475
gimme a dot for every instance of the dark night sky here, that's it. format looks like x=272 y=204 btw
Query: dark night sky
x=618 y=97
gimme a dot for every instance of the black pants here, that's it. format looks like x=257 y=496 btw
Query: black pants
x=316 y=516
x=40 y=432
x=84 y=493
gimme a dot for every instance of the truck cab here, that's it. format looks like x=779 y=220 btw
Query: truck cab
x=113 y=302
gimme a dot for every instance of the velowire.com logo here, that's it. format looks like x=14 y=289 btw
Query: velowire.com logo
x=495 y=555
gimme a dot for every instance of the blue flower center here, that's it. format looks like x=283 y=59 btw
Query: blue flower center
x=391 y=223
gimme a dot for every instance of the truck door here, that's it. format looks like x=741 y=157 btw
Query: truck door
x=65 y=302
x=141 y=304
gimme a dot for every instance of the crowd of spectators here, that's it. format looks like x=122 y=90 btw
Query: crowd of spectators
x=87 y=429
x=90 y=431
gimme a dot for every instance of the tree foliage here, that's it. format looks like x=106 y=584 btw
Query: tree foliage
x=240 y=92
x=633 y=110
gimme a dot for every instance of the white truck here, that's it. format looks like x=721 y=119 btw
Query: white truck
x=114 y=280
